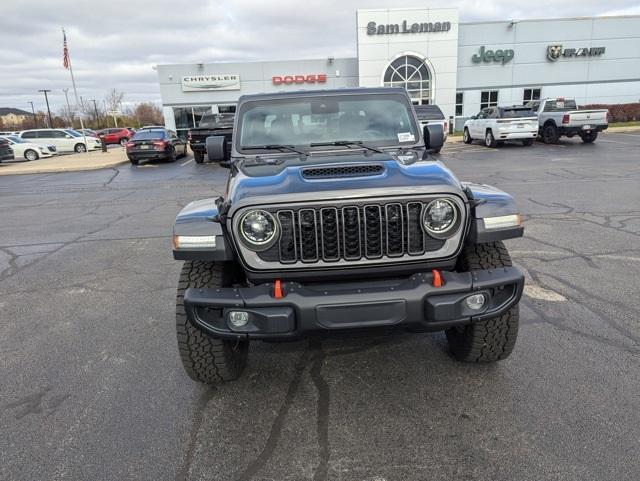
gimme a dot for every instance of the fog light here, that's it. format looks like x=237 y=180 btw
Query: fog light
x=475 y=302
x=238 y=318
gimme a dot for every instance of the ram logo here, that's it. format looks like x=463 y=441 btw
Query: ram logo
x=554 y=52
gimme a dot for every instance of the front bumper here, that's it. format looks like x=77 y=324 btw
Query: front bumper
x=320 y=308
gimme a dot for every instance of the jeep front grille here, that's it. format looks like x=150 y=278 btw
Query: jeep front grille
x=358 y=233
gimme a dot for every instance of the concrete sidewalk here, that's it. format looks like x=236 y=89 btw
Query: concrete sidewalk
x=67 y=163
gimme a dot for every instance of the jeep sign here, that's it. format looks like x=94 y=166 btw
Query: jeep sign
x=498 y=56
x=404 y=27
x=199 y=83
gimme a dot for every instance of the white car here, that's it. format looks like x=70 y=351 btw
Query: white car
x=495 y=125
x=65 y=140
x=23 y=149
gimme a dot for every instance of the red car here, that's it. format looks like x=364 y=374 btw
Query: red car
x=115 y=136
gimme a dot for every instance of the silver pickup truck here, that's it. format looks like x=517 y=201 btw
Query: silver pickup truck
x=560 y=116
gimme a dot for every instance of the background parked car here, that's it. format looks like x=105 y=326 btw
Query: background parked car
x=431 y=114
x=115 y=136
x=495 y=125
x=23 y=149
x=560 y=116
x=89 y=132
x=65 y=140
x=151 y=144
x=211 y=124
x=6 y=153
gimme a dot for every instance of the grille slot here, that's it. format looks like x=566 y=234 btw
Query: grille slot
x=351 y=233
x=342 y=171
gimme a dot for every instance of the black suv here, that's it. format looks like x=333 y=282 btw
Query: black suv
x=335 y=220
x=6 y=152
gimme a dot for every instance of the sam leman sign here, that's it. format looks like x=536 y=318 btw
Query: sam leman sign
x=199 y=83
x=404 y=27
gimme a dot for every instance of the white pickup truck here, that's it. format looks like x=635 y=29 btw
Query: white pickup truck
x=560 y=116
x=495 y=125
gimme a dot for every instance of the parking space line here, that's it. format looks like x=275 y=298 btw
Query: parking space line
x=185 y=163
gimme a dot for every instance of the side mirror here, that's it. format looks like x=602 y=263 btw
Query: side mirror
x=216 y=148
x=474 y=117
x=433 y=136
x=67 y=136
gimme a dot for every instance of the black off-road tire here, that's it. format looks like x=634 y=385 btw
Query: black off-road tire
x=466 y=136
x=198 y=156
x=550 y=134
x=589 y=138
x=493 y=339
x=527 y=142
x=204 y=358
x=489 y=140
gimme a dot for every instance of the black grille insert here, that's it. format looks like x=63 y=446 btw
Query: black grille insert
x=351 y=233
x=342 y=171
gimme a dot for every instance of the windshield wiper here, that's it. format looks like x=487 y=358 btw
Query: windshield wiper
x=346 y=143
x=281 y=148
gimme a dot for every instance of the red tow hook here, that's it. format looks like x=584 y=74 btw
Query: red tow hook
x=437 y=278
x=277 y=289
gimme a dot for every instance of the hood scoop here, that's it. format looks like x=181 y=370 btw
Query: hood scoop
x=341 y=171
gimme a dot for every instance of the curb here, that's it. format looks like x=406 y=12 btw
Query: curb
x=61 y=169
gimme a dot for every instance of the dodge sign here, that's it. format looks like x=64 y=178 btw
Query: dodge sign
x=319 y=78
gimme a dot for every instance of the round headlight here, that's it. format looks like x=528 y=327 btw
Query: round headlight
x=440 y=217
x=259 y=229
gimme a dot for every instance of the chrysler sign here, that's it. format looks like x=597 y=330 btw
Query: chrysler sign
x=199 y=83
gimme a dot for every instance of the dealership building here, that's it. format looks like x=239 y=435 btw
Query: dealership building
x=460 y=66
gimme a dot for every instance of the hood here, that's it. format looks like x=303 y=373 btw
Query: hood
x=338 y=178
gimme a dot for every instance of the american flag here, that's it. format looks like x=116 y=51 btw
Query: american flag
x=65 y=51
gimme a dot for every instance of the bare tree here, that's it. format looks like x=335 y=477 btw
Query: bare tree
x=147 y=113
x=68 y=114
x=114 y=99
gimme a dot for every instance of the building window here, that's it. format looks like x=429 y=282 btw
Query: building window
x=459 y=103
x=488 y=98
x=184 y=117
x=226 y=109
x=412 y=74
x=530 y=95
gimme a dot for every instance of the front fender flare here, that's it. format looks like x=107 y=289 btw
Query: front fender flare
x=200 y=218
x=487 y=201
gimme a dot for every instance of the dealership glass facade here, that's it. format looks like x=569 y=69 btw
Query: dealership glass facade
x=463 y=68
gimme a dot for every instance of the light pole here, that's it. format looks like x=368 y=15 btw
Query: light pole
x=95 y=108
x=69 y=118
x=46 y=99
x=33 y=111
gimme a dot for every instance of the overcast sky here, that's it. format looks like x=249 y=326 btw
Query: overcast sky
x=115 y=43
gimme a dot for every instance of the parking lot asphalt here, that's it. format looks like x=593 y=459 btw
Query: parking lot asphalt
x=91 y=387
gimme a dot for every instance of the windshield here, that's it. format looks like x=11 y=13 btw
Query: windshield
x=516 y=112
x=217 y=121
x=15 y=139
x=560 y=105
x=377 y=119
x=149 y=135
x=73 y=133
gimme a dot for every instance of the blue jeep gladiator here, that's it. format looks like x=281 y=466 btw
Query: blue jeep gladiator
x=337 y=220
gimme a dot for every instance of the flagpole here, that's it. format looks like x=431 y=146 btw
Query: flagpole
x=75 y=92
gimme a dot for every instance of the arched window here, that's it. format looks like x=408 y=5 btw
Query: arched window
x=412 y=74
